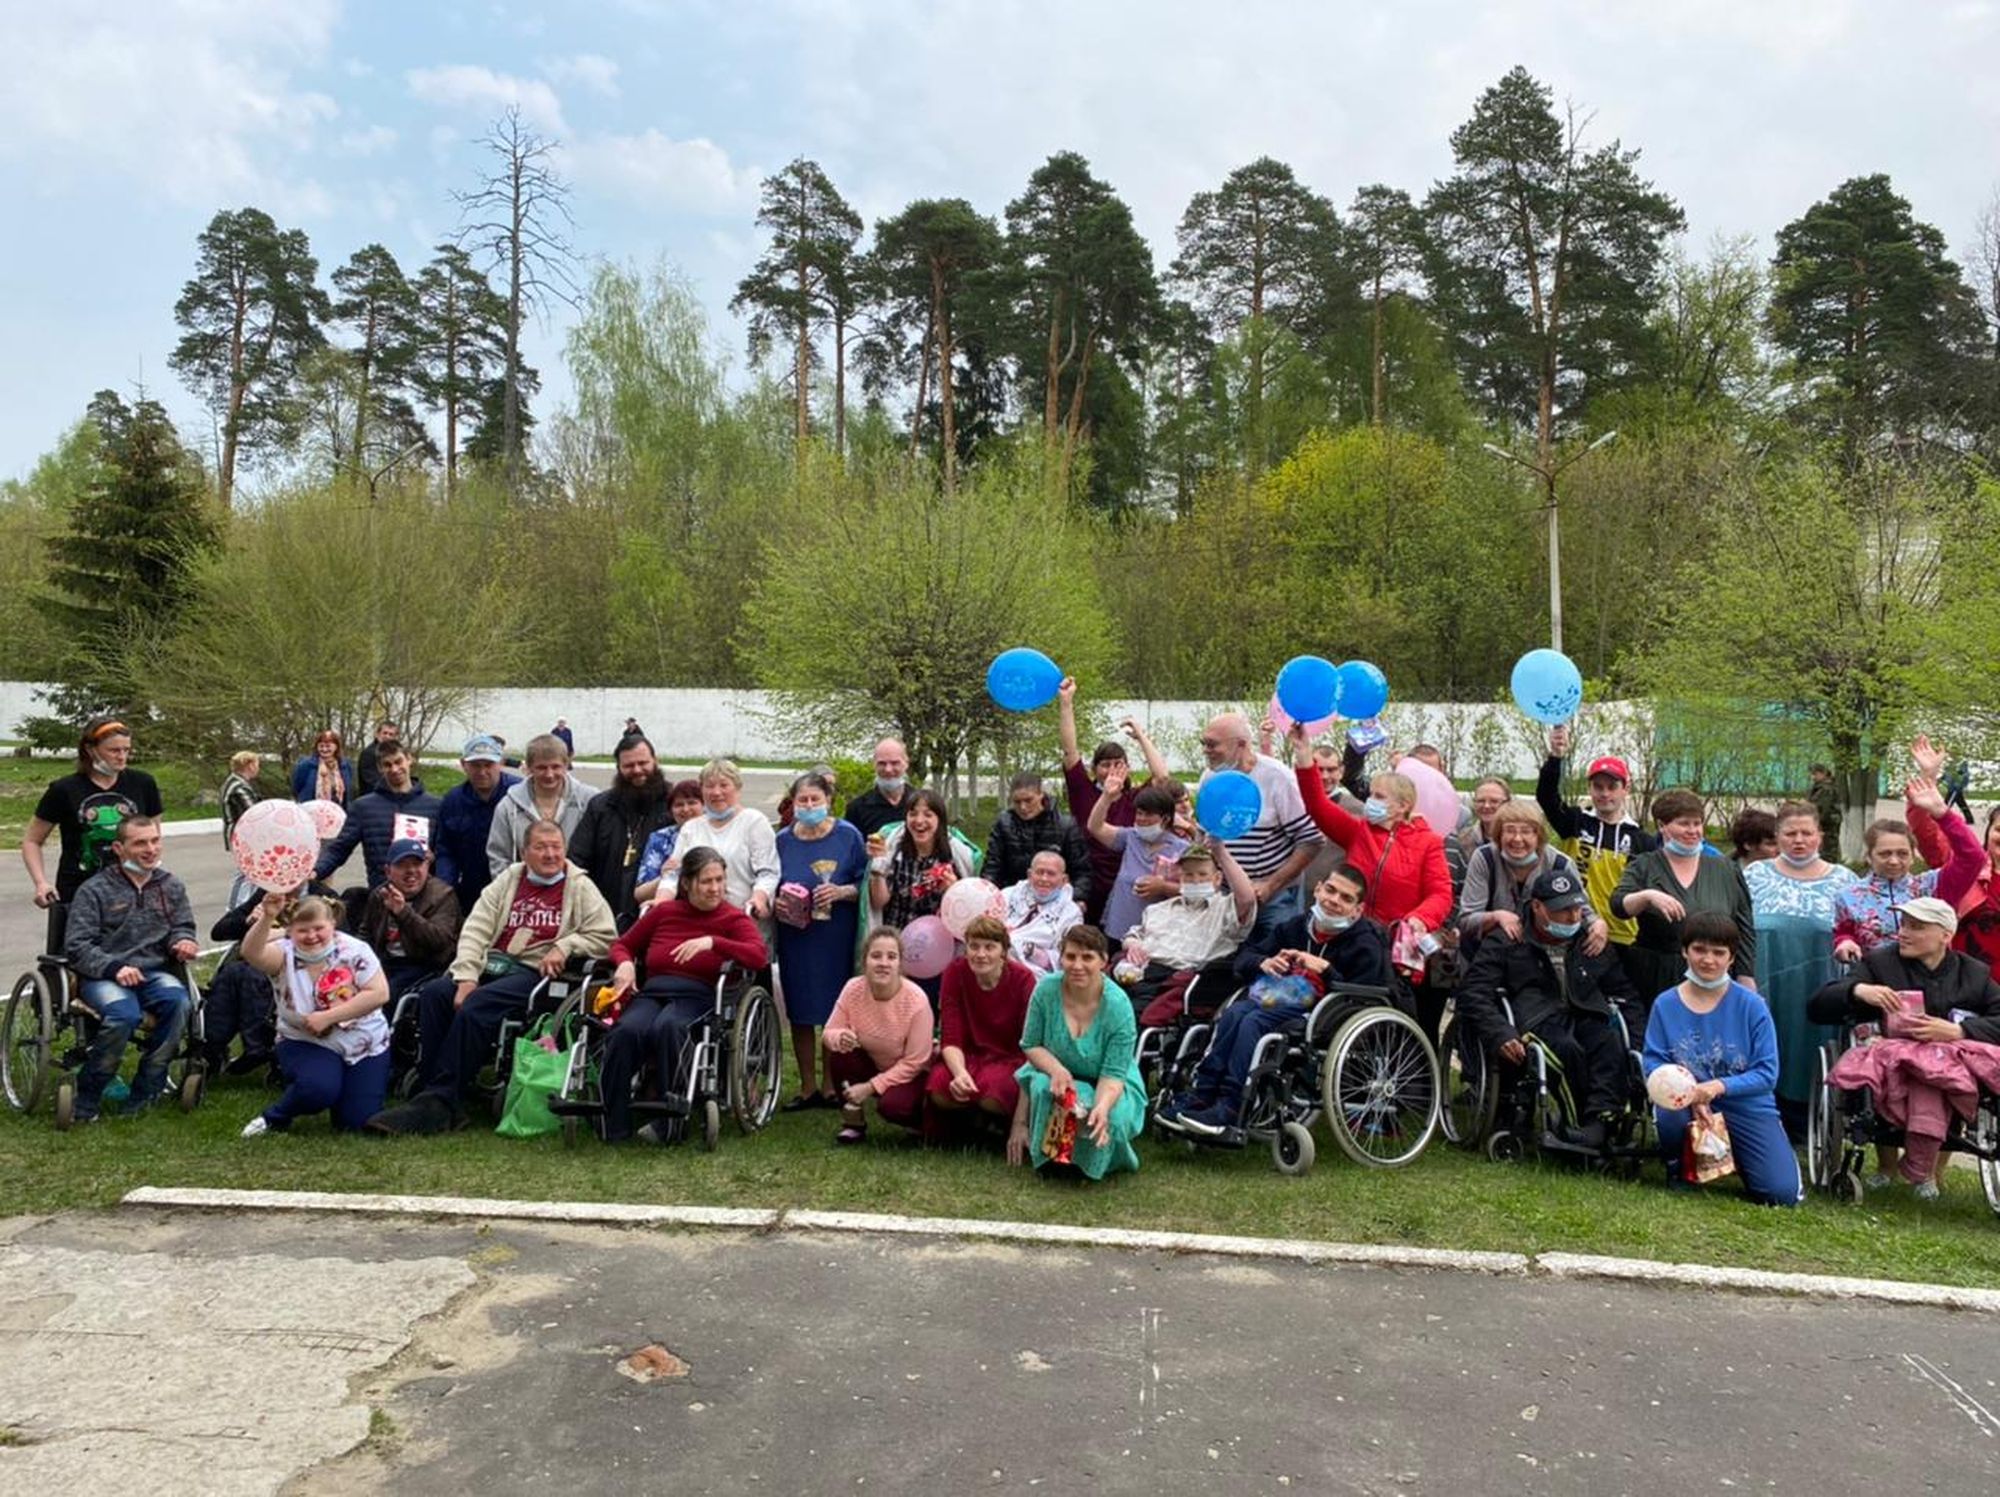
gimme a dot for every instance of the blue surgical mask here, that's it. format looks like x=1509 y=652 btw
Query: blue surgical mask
x=1563 y=930
x=810 y=815
x=1049 y=898
x=312 y=956
x=718 y=816
x=1521 y=859
x=1680 y=849
x=1377 y=811
x=1805 y=862
x=1330 y=925
x=1149 y=833
x=132 y=866
x=890 y=787
x=1705 y=984
x=103 y=770
x=1196 y=893
x=545 y=880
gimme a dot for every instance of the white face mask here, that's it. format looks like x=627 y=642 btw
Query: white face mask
x=1149 y=833
x=1197 y=893
x=311 y=955
x=1708 y=985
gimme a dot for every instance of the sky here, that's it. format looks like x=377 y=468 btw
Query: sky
x=125 y=125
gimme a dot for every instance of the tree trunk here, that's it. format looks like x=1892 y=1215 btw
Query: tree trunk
x=941 y=320
x=510 y=406
x=840 y=386
x=227 y=478
x=450 y=392
x=802 y=360
x=923 y=386
x=1375 y=352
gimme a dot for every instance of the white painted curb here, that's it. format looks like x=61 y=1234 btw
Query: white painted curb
x=610 y=1213
x=1819 y=1286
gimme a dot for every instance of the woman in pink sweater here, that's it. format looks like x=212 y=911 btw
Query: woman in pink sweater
x=878 y=1041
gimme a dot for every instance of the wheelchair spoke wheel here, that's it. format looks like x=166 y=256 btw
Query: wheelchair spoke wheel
x=1471 y=1090
x=1380 y=1088
x=756 y=1061
x=1989 y=1181
x=1823 y=1124
x=27 y=1036
x=711 y=1126
x=1292 y=1149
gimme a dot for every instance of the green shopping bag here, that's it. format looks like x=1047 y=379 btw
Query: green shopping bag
x=537 y=1076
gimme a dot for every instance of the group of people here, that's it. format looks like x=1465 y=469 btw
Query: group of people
x=1111 y=915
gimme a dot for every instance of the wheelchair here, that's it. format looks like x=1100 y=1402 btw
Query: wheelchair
x=1505 y=1110
x=1358 y=1058
x=1842 y=1124
x=46 y=1030
x=1167 y=1054
x=734 y=1058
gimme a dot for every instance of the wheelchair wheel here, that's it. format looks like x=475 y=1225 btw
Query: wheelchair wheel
x=1847 y=1187
x=756 y=1061
x=711 y=1125
x=1823 y=1130
x=1989 y=1181
x=1292 y=1149
x=1471 y=1090
x=65 y=1104
x=27 y=1036
x=1503 y=1147
x=1380 y=1088
x=193 y=1084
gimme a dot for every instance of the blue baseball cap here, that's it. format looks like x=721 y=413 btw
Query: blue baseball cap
x=483 y=748
x=407 y=847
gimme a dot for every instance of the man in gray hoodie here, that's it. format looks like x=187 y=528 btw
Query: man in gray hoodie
x=127 y=925
x=549 y=793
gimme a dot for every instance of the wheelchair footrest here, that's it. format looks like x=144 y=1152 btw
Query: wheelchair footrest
x=660 y=1107
x=574 y=1107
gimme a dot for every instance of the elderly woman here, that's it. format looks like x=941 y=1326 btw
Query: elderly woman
x=1080 y=1044
x=333 y=1043
x=1409 y=880
x=824 y=864
x=912 y=865
x=1721 y=1032
x=324 y=774
x=683 y=806
x=1866 y=917
x=683 y=943
x=748 y=846
x=1501 y=874
x=983 y=1007
x=1792 y=899
x=1937 y=1055
x=539 y=915
x=1663 y=887
x=1040 y=908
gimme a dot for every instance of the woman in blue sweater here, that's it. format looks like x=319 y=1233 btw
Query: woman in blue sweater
x=1722 y=1032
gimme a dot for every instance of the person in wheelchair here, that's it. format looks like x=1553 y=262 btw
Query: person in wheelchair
x=1561 y=994
x=411 y=919
x=1924 y=1060
x=129 y=924
x=1331 y=944
x=539 y=915
x=683 y=943
x=1201 y=927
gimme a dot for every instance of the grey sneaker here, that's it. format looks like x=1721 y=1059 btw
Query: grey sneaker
x=256 y=1127
x=1877 y=1181
x=1925 y=1190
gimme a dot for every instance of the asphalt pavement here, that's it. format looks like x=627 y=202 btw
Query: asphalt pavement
x=225 y=1353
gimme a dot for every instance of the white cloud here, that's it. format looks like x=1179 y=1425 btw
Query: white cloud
x=589 y=70
x=372 y=141
x=693 y=175
x=462 y=85
x=194 y=99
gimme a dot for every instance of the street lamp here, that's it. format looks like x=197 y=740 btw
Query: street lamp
x=1548 y=472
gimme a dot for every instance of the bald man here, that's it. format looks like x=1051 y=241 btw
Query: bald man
x=1283 y=843
x=874 y=809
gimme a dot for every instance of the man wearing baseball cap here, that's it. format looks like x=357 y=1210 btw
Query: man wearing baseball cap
x=1601 y=840
x=411 y=920
x=1960 y=1002
x=466 y=816
x=1562 y=997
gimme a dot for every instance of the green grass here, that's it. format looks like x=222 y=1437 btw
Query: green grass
x=1446 y=1199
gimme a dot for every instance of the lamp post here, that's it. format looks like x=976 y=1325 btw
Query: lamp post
x=1548 y=471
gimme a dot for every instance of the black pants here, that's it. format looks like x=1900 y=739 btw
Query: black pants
x=1592 y=1058
x=457 y=1044
x=239 y=1002
x=655 y=1026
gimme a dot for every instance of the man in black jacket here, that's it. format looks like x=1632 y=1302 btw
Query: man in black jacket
x=1961 y=999
x=612 y=832
x=1561 y=997
x=1029 y=825
x=411 y=921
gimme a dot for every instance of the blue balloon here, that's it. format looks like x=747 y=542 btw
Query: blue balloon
x=1362 y=692
x=1228 y=804
x=1547 y=686
x=1306 y=688
x=1022 y=680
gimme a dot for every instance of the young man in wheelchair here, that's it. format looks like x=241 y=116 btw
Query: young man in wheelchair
x=1561 y=997
x=129 y=926
x=1331 y=943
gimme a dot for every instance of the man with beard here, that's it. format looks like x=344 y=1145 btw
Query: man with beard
x=616 y=824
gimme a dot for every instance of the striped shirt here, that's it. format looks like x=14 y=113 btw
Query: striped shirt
x=1282 y=826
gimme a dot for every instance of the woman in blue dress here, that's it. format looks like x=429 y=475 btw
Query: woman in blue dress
x=1081 y=1045
x=822 y=866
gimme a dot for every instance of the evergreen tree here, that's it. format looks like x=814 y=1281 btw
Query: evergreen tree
x=461 y=339
x=379 y=305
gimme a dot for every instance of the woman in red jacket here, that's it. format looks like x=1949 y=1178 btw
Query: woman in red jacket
x=984 y=1007
x=683 y=943
x=1409 y=882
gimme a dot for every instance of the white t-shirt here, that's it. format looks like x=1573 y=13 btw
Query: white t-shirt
x=1281 y=827
x=305 y=990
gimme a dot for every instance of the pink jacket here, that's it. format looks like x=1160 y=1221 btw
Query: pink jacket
x=1893 y=1068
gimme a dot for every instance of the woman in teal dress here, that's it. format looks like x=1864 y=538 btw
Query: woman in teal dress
x=1080 y=1033
x=1794 y=898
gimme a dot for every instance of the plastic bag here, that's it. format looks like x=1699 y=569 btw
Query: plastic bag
x=1059 y=1136
x=537 y=1076
x=1708 y=1155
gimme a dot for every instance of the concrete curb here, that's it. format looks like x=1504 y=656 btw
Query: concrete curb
x=1293 y=1250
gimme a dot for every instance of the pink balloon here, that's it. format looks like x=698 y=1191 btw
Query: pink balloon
x=1437 y=798
x=327 y=818
x=276 y=845
x=1282 y=721
x=968 y=899
x=928 y=947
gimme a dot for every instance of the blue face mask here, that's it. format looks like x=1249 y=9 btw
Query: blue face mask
x=1049 y=898
x=890 y=787
x=132 y=866
x=1563 y=930
x=810 y=815
x=1705 y=985
x=1149 y=833
x=718 y=816
x=1680 y=849
x=1521 y=860
x=1377 y=811
x=1805 y=862
x=1330 y=925
x=545 y=880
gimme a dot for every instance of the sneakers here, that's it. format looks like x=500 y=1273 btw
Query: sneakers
x=1925 y=1190
x=1876 y=1181
x=255 y=1128
x=1594 y=1134
x=1179 y=1106
x=659 y=1131
x=1212 y=1120
x=136 y=1106
x=427 y=1112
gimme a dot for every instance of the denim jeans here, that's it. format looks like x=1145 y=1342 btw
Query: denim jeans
x=1272 y=913
x=119 y=1010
